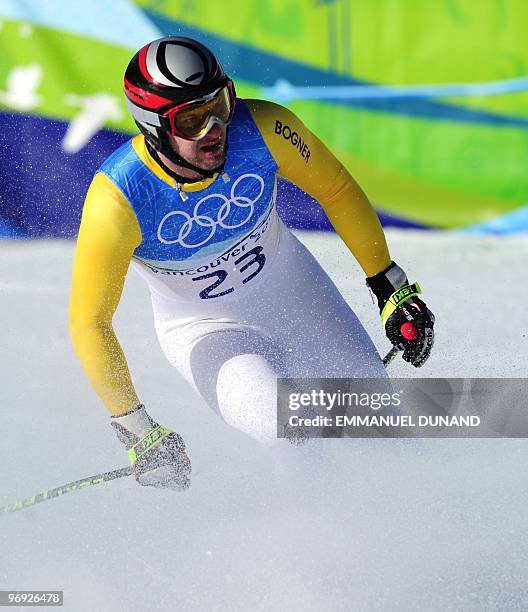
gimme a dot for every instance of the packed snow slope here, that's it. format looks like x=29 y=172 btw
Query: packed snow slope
x=356 y=525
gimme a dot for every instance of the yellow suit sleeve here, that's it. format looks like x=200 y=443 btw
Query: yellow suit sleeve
x=108 y=235
x=304 y=160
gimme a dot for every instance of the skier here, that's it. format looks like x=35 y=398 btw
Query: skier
x=238 y=301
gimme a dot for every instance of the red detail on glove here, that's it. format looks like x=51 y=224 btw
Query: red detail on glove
x=408 y=331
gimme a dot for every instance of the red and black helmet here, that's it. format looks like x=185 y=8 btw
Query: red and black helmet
x=166 y=73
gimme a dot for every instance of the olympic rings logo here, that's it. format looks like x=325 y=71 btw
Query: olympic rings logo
x=234 y=203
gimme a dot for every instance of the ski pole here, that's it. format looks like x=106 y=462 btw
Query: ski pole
x=389 y=357
x=67 y=488
x=408 y=331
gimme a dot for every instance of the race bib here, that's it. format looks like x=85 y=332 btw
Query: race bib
x=227 y=274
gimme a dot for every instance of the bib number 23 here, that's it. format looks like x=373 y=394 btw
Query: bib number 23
x=254 y=259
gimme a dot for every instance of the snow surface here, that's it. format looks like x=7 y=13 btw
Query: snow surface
x=357 y=525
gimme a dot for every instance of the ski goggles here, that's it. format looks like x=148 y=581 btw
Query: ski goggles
x=193 y=120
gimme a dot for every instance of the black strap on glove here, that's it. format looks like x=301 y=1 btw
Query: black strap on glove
x=407 y=320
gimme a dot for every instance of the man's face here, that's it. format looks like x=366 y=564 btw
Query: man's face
x=207 y=153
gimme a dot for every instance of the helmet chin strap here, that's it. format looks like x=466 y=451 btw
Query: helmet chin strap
x=174 y=157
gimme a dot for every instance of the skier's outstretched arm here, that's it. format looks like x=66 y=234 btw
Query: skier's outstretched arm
x=108 y=235
x=304 y=160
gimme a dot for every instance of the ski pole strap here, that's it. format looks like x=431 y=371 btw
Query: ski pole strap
x=148 y=442
x=397 y=298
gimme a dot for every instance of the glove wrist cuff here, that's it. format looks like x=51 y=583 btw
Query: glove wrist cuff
x=137 y=422
x=385 y=283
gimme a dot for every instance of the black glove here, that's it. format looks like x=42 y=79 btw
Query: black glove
x=156 y=453
x=407 y=320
